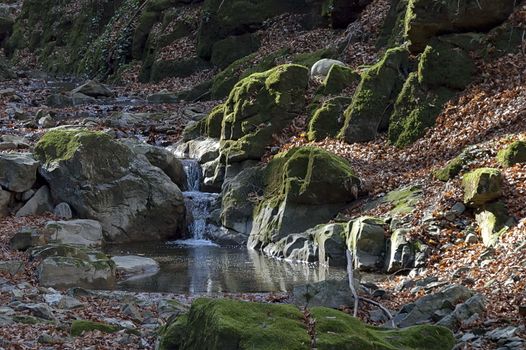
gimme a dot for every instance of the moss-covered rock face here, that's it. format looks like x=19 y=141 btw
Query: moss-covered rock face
x=229 y=50
x=513 y=154
x=258 y=107
x=443 y=70
x=493 y=220
x=428 y=18
x=452 y=167
x=374 y=97
x=393 y=29
x=327 y=120
x=338 y=79
x=303 y=187
x=104 y=180
x=482 y=186
x=236 y=325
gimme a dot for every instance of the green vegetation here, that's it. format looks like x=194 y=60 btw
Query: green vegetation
x=513 y=154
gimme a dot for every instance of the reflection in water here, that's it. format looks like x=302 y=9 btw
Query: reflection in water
x=212 y=269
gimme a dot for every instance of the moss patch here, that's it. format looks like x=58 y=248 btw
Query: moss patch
x=482 y=186
x=513 y=154
x=328 y=119
x=338 y=79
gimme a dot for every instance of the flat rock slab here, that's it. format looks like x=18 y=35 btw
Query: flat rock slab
x=79 y=232
x=135 y=265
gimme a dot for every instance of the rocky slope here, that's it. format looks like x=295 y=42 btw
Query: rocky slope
x=391 y=129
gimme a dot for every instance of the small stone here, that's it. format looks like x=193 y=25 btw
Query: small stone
x=46 y=122
x=41 y=311
x=472 y=239
x=38 y=204
x=63 y=211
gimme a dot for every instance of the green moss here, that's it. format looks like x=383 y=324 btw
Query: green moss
x=493 y=220
x=513 y=154
x=452 y=168
x=443 y=65
x=80 y=326
x=415 y=110
x=328 y=119
x=338 y=79
x=375 y=96
x=337 y=330
x=60 y=145
x=393 y=28
x=173 y=334
x=481 y=186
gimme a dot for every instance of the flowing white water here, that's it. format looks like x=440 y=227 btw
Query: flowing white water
x=198 y=206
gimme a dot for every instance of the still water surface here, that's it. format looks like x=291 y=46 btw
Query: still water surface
x=187 y=267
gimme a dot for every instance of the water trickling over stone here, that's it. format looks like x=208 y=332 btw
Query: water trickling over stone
x=193 y=175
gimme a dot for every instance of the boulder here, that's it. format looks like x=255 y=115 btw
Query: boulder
x=84 y=269
x=327 y=120
x=236 y=325
x=63 y=211
x=330 y=293
x=366 y=240
x=338 y=79
x=236 y=205
x=482 y=186
x=38 y=204
x=135 y=265
x=400 y=252
x=104 y=180
x=426 y=19
x=322 y=67
x=303 y=187
x=513 y=154
x=26 y=238
x=204 y=150
x=93 y=89
x=18 y=171
x=374 y=97
x=227 y=51
x=493 y=220
x=433 y=307
x=464 y=311
x=86 y=233
x=163 y=159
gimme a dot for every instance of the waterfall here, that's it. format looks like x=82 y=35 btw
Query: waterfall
x=198 y=205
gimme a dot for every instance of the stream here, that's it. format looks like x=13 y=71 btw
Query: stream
x=197 y=265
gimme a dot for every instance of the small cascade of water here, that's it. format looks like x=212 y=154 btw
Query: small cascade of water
x=198 y=205
x=193 y=174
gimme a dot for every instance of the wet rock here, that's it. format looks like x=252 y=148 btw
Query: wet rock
x=40 y=203
x=93 y=89
x=135 y=265
x=203 y=149
x=78 y=232
x=63 y=211
x=18 y=171
x=103 y=180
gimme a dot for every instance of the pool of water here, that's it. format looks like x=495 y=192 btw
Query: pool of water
x=207 y=268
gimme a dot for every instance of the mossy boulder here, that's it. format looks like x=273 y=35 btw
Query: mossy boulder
x=493 y=220
x=402 y=200
x=415 y=110
x=452 y=167
x=259 y=106
x=375 y=96
x=338 y=79
x=393 y=28
x=327 y=120
x=513 y=154
x=227 y=51
x=482 y=186
x=426 y=19
x=237 y=325
x=163 y=69
x=104 y=180
x=80 y=326
x=303 y=187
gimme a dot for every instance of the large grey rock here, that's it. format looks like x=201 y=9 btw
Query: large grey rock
x=67 y=272
x=400 y=252
x=473 y=306
x=163 y=159
x=432 y=307
x=40 y=203
x=202 y=149
x=93 y=89
x=366 y=240
x=18 y=171
x=236 y=206
x=135 y=265
x=79 y=232
x=104 y=180
x=63 y=211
